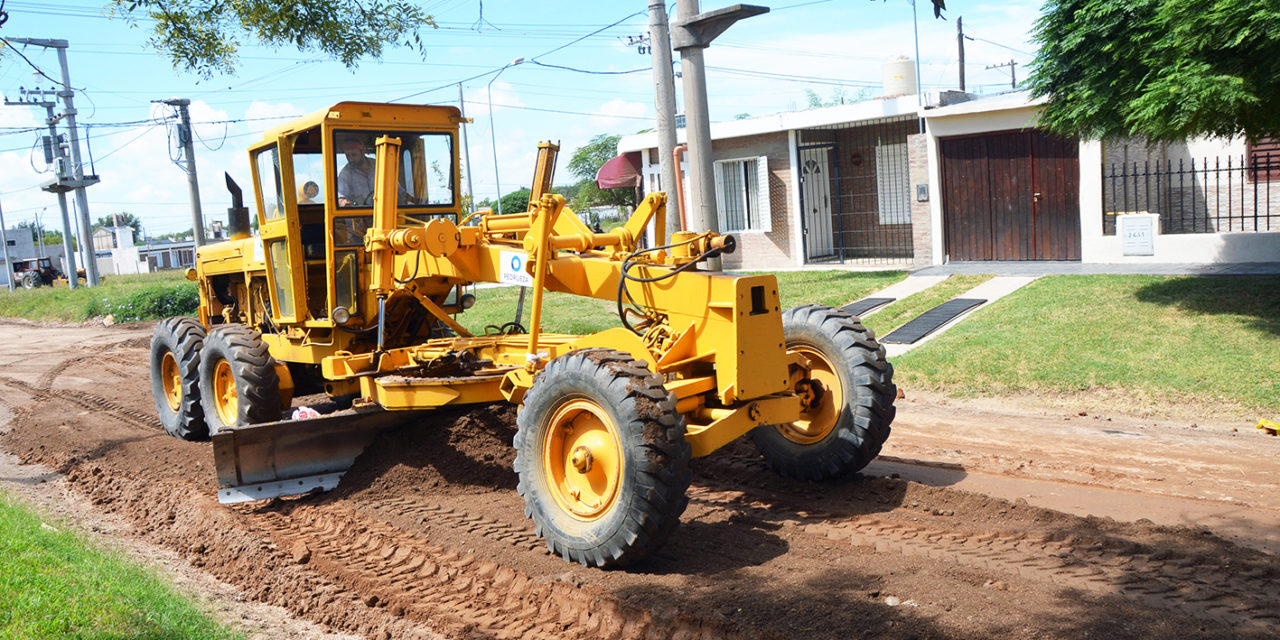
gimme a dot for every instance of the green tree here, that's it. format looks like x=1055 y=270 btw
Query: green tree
x=124 y=218
x=204 y=36
x=585 y=163
x=517 y=201
x=1162 y=69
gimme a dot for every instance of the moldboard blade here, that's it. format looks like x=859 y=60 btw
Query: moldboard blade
x=293 y=457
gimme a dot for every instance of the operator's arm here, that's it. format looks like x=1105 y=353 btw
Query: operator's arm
x=344 y=186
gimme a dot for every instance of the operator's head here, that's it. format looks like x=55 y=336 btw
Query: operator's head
x=353 y=147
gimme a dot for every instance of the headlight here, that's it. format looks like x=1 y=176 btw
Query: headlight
x=467 y=301
x=341 y=315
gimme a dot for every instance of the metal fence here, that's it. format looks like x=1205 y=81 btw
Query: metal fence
x=1209 y=195
x=855 y=192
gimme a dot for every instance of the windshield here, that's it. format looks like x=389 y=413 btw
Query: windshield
x=426 y=168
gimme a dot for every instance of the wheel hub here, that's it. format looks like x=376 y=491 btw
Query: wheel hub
x=224 y=393
x=821 y=399
x=171 y=378
x=582 y=458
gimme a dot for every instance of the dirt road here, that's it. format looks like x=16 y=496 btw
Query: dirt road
x=983 y=519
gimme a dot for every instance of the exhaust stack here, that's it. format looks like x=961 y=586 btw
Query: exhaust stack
x=237 y=213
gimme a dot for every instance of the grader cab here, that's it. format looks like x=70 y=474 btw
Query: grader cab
x=352 y=288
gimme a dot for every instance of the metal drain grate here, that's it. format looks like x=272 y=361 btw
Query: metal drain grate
x=929 y=321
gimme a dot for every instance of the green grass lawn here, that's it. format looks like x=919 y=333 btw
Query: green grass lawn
x=55 y=585
x=134 y=297
x=1210 y=340
x=564 y=313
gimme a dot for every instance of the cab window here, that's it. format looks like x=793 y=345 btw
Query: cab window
x=426 y=176
x=268 y=163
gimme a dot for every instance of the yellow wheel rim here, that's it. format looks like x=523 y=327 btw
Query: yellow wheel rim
x=224 y=393
x=582 y=459
x=819 y=419
x=171 y=378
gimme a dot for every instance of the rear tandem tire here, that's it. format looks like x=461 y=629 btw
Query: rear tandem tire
x=848 y=424
x=602 y=459
x=238 y=380
x=175 y=377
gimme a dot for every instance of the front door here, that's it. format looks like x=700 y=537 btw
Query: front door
x=815 y=200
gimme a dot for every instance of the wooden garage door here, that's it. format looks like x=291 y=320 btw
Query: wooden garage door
x=1012 y=195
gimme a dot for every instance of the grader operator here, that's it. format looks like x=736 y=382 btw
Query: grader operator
x=355 y=295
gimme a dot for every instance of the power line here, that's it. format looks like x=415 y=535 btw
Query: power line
x=572 y=113
x=600 y=73
x=28 y=61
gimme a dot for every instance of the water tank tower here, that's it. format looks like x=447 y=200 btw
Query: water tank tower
x=899 y=77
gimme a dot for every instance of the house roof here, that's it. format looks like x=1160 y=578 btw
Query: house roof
x=841 y=114
x=809 y=118
x=999 y=102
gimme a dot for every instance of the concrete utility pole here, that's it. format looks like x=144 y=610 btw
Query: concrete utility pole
x=78 y=180
x=664 y=92
x=81 y=181
x=186 y=136
x=59 y=159
x=466 y=149
x=56 y=154
x=4 y=242
x=692 y=33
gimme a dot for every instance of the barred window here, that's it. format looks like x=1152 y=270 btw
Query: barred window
x=742 y=194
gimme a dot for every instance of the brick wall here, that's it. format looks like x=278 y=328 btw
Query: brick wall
x=772 y=248
x=921 y=221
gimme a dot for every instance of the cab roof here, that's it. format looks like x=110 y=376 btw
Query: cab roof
x=369 y=115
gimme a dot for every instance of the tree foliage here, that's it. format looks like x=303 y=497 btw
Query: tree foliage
x=585 y=163
x=1163 y=69
x=517 y=201
x=204 y=36
x=122 y=219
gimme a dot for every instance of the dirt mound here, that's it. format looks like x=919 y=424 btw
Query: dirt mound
x=451 y=451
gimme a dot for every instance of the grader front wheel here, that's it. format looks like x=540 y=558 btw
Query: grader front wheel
x=238 y=380
x=175 y=377
x=847 y=397
x=602 y=459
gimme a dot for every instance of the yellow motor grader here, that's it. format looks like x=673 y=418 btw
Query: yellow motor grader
x=352 y=286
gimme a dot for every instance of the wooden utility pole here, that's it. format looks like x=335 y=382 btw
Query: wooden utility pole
x=960 y=44
x=1013 y=73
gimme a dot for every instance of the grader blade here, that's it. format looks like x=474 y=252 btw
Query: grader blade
x=293 y=457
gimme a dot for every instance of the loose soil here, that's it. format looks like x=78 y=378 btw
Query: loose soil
x=982 y=519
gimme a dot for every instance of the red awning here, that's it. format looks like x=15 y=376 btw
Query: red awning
x=620 y=172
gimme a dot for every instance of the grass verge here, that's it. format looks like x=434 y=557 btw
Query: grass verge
x=900 y=312
x=147 y=296
x=1204 y=339
x=55 y=585
x=564 y=313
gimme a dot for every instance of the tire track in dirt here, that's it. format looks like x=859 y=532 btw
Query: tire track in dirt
x=1238 y=597
x=467 y=596
x=87 y=401
x=421 y=512
x=46 y=379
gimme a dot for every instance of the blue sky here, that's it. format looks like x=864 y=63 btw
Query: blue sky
x=760 y=66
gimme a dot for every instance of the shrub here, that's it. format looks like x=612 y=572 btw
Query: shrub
x=153 y=303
